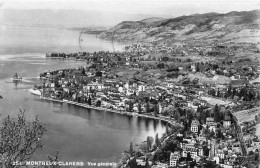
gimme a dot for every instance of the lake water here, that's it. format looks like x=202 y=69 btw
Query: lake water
x=78 y=134
x=20 y=39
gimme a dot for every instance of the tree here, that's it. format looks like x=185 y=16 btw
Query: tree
x=149 y=142
x=139 y=108
x=63 y=74
x=89 y=100
x=148 y=109
x=146 y=163
x=143 y=147
x=189 y=157
x=124 y=158
x=99 y=74
x=157 y=140
x=256 y=155
x=98 y=104
x=212 y=134
x=216 y=113
x=205 y=150
x=234 y=92
x=165 y=59
x=167 y=130
x=131 y=150
x=197 y=68
x=210 y=164
x=156 y=110
x=218 y=93
x=131 y=106
x=160 y=65
x=132 y=163
x=83 y=72
x=19 y=139
x=177 y=116
x=219 y=134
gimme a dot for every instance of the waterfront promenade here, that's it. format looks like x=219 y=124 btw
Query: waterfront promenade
x=165 y=119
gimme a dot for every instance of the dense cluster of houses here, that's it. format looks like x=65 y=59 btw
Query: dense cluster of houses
x=198 y=150
x=193 y=92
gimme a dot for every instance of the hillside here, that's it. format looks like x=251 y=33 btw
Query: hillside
x=233 y=26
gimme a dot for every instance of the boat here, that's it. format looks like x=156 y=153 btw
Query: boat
x=17 y=78
x=35 y=92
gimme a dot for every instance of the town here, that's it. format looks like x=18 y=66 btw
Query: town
x=203 y=92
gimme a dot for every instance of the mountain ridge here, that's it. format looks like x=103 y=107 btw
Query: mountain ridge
x=242 y=26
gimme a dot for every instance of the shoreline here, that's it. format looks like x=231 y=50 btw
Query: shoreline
x=167 y=120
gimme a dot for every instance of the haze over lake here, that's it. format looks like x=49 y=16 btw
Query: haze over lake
x=25 y=39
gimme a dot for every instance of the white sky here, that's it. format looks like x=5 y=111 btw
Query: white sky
x=166 y=7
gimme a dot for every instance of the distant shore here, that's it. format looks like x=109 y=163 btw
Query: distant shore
x=165 y=119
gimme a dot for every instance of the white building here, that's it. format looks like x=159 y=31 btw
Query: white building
x=95 y=86
x=213 y=127
x=195 y=126
x=216 y=159
x=227 y=121
x=121 y=89
x=189 y=148
x=220 y=154
x=170 y=85
x=193 y=68
x=127 y=85
x=129 y=92
x=160 y=108
x=200 y=151
x=141 y=88
x=174 y=157
x=209 y=120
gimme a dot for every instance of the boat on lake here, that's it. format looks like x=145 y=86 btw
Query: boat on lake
x=17 y=78
x=35 y=92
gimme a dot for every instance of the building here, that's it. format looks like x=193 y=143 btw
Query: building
x=126 y=85
x=160 y=107
x=213 y=126
x=220 y=154
x=200 y=150
x=195 y=126
x=193 y=68
x=160 y=165
x=209 y=120
x=95 y=86
x=216 y=159
x=227 y=121
x=170 y=85
x=211 y=123
x=141 y=88
x=174 y=157
x=189 y=148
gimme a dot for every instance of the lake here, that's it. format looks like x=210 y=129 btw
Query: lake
x=21 y=39
x=78 y=134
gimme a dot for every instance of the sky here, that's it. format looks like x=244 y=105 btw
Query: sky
x=151 y=7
